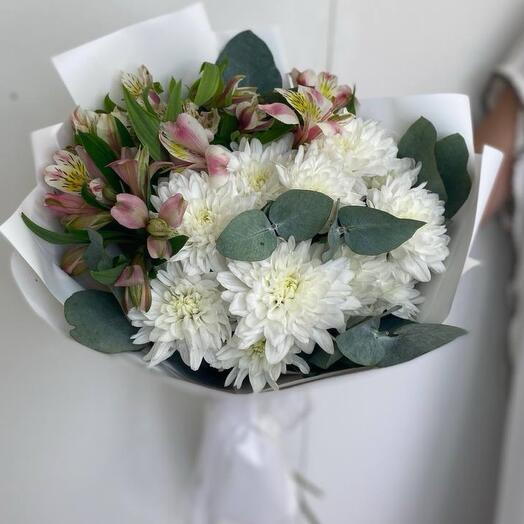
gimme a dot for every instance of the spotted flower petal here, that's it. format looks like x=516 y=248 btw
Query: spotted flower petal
x=68 y=174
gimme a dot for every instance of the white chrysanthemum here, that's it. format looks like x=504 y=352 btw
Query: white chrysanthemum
x=253 y=167
x=291 y=298
x=381 y=285
x=208 y=212
x=427 y=249
x=252 y=362
x=314 y=170
x=187 y=315
x=363 y=148
x=396 y=167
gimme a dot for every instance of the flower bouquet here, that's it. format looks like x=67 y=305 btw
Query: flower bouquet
x=245 y=229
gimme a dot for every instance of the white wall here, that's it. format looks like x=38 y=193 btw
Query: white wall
x=59 y=442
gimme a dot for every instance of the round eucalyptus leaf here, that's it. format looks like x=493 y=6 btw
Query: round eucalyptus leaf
x=300 y=213
x=414 y=339
x=98 y=322
x=248 y=237
x=364 y=344
x=247 y=54
x=372 y=231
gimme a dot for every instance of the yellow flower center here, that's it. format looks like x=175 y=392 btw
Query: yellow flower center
x=285 y=289
x=205 y=216
x=74 y=176
x=258 y=348
x=304 y=104
x=259 y=177
x=184 y=305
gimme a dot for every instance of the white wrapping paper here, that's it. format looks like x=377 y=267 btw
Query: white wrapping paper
x=244 y=475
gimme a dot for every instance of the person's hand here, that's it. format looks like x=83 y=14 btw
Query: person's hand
x=498 y=129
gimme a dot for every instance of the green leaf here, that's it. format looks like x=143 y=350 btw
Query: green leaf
x=227 y=126
x=76 y=237
x=98 y=322
x=351 y=106
x=109 y=105
x=248 y=55
x=324 y=360
x=300 y=213
x=109 y=276
x=90 y=199
x=125 y=136
x=414 y=340
x=364 y=344
x=174 y=100
x=208 y=85
x=102 y=155
x=248 y=237
x=177 y=243
x=419 y=143
x=452 y=161
x=276 y=131
x=145 y=124
x=372 y=232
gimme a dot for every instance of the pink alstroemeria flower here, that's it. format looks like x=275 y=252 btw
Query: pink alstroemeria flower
x=250 y=117
x=310 y=104
x=188 y=142
x=68 y=174
x=325 y=83
x=130 y=211
x=163 y=227
x=135 y=171
x=72 y=261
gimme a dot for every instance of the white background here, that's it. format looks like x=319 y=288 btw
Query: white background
x=86 y=438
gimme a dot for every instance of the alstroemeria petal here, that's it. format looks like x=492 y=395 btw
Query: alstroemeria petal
x=158 y=248
x=69 y=174
x=187 y=132
x=330 y=127
x=106 y=129
x=280 y=112
x=127 y=170
x=304 y=78
x=130 y=211
x=217 y=159
x=172 y=210
x=72 y=261
x=130 y=276
x=63 y=204
x=342 y=95
x=93 y=171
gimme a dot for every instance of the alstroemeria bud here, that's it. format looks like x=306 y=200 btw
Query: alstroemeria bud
x=138 y=291
x=100 y=219
x=72 y=261
x=130 y=211
x=65 y=204
x=84 y=120
x=106 y=129
x=159 y=228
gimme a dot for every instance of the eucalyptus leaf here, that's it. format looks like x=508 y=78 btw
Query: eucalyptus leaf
x=371 y=231
x=102 y=155
x=364 y=344
x=414 y=340
x=95 y=255
x=300 y=213
x=248 y=237
x=247 y=54
x=98 y=322
x=419 y=143
x=323 y=360
x=452 y=160
x=145 y=124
